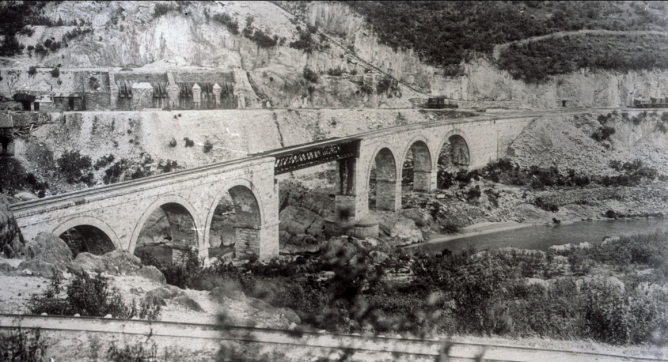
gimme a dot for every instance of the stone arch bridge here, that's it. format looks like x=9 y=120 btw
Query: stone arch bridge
x=120 y=210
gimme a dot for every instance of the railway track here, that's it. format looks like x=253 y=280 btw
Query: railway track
x=362 y=348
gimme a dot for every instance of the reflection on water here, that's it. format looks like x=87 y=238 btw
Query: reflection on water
x=542 y=237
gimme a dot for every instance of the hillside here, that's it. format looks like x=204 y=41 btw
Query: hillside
x=349 y=54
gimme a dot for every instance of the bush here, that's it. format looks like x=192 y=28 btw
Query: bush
x=22 y=346
x=603 y=133
x=55 y=72
x=189 y=142
x=172 y=142
x=305 y=42
x=113 y=173
x=335 y=72
x=75 y=167
x=310 y=75
x=230 y=23
x=167 y=166
x=473 y=193
x=208 y=146
x=162 y=9
x=32 y=71
x=88 y=296
x=542 y=204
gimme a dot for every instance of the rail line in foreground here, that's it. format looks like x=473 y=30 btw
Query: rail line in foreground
x=368 y=347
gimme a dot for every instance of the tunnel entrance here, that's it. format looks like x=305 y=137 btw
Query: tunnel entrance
x=453 y=157
x=167 y=235
x=87 y=239
x=235 y=226
x=383 y=181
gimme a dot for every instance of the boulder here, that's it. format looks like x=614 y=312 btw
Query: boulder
x=184 y=300
x=38 y=268
x=231 y=290
x=400 y=229
x=26 y=196
x=87 y=262
x=49 y=248
x=122 y=261
x=152 y=273
x=160 y=294
x=11 y=239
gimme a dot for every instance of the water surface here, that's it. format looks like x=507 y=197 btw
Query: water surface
x=542 y=237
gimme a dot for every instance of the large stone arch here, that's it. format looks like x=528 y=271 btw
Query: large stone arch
x=165 y=199
x=88 y=220
x=238 y=183
x=387 y=174
x=422 y=163
x=459 y=135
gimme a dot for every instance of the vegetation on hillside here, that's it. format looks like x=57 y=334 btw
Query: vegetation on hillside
x=447 y=33
x=536 y=61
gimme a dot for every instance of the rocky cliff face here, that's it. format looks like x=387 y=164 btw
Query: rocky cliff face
x=482 y=82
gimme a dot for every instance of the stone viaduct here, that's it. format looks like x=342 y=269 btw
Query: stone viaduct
x=121 y=210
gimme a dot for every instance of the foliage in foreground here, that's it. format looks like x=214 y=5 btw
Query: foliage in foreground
x=482 y=293
x=22 y=346
x=89 y=296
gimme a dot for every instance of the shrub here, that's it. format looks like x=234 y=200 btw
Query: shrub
x=22 y=346
x=32 y=71
x=88 y=296
x=304 y=42
x=104 y=161
x=189 y=142
x=55 y=72
x=230 y=23
x=172 y=141
x=335 y=72
x=208 y=146
x=75 y=167
x=603 y=133
x=547 y=206
x=310 y=75
x=473 y=193
x=167 y=166
x=113 y=173
x=161 y=9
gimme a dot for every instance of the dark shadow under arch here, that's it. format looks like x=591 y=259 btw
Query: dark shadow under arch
x=88 y=239
x=167 y=234
x=416 y=170
x=234 y=231
x=383 y=181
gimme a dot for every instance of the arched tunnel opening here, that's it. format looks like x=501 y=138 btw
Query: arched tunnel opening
x=416 y=170
x=235 y=226
x=383 y=181
x=167 y=235
x=453 y=157
x=87 y=239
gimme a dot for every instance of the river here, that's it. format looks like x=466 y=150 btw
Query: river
x=542 y=237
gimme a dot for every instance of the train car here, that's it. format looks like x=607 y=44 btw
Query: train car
x=653 y=102
x=439 y=103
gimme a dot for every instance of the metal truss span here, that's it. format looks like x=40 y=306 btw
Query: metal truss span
x=315 y=155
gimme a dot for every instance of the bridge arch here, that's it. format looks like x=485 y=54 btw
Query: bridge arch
x=417 y=151
x=458 y=151
x=162 y=201
x=79 y=221
x=249 y=217
x=385 y=176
